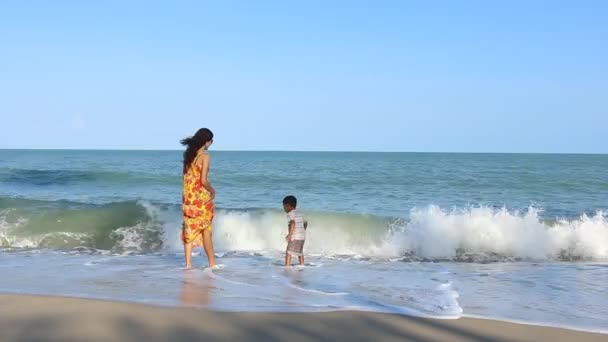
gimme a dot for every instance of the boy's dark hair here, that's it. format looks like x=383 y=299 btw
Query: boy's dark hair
x=291 y=200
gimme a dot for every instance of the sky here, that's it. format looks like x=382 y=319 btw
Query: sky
x=416 y=76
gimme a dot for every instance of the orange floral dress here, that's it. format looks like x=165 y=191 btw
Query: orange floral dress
x=197 y=206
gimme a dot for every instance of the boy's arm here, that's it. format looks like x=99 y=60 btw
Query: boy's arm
x=292 y=227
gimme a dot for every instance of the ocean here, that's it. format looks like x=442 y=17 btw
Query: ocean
x=518 y=237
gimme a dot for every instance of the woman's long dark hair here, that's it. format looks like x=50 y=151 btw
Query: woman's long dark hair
x=193 y=145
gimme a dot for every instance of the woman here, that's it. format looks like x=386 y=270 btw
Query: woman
x=197 y=201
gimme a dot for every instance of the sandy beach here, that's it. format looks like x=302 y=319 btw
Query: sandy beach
x=37 y=318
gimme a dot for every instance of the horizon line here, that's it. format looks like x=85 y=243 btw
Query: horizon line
x=302 y=151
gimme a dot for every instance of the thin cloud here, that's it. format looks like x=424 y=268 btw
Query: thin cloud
x=78 y=123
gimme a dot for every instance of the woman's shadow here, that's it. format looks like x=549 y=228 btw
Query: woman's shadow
x=197 y=286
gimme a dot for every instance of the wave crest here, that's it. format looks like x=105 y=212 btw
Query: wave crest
x=431 y=233
x=479 y=234
x=435 y=233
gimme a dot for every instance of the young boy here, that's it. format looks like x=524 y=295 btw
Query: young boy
x=297 y=231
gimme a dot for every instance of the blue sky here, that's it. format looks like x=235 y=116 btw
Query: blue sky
x=468 y=76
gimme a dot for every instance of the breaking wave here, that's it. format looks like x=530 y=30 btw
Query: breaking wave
x=478 y=234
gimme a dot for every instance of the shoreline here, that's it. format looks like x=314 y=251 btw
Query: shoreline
x=48 y=318
x=429 y=317
x=538 y=324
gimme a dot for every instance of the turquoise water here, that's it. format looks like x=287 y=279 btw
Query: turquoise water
x=386 y=184
x=511 y=236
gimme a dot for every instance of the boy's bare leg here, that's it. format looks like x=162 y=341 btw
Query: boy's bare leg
x=287 y=259
x=188 y=255
x=208 y=245
x=301 y=260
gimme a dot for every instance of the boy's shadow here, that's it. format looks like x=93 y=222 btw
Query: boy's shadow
x=196 y=288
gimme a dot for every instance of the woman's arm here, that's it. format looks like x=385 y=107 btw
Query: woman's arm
x=205 y=175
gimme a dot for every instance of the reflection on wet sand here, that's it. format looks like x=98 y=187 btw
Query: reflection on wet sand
x=196 y=288
x=291 y=294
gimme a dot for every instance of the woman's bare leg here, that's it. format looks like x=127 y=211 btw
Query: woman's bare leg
x=208 y=245
x=287 y=259
x=188 y=254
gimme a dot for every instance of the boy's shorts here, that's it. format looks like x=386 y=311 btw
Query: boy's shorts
x=296 y=247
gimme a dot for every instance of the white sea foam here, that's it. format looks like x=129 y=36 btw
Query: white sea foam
x=470 y=234
x=429 y=232
x=436 y=233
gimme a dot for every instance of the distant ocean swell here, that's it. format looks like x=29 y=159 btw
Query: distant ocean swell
x=74 y=177
x=477 y=234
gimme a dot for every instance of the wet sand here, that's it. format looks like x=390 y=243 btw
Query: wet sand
x=38 y=318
